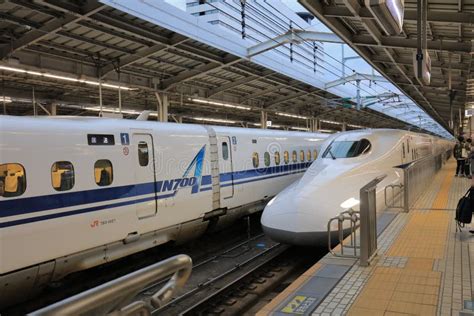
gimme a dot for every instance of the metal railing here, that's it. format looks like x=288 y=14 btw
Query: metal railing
x=396 y=196
x=351 y=216
x=113 y=297
x=366 y=219
x=417 y=175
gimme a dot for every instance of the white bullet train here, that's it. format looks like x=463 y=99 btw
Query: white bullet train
x=79 y=192
x=349 y=160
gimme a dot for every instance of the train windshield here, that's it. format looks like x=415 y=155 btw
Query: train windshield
x=347 y=149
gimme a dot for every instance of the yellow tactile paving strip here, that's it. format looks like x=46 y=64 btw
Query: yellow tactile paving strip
x=414 y=289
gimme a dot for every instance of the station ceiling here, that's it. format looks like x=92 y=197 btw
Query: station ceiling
x=89 y=40
x=449 y=32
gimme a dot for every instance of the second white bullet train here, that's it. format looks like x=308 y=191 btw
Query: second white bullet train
x=300 y=213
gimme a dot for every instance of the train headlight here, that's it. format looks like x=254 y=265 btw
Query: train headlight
x=349 y=203
x=271 y=201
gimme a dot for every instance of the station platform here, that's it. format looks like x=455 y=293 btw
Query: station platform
x=423 y=266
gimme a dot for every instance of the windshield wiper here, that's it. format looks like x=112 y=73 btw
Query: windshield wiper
x=330 y=152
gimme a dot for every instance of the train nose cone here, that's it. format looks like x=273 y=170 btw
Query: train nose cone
x=287 y=220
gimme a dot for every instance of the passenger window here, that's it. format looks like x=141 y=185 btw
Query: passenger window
x=255 y=160
x=315 y=154
x=286 y=157
x=308 y=155
x=12 y=180
x=62 y=175
x=403 y=150
x=294 y=156
x=277 y=158
x=302 y=155
x=266 y=159
x=103 y=171
x=225 y=151
x=143 y=154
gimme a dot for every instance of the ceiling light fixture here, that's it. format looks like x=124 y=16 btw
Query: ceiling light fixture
x=300 y=128
x=330 y=122
x=356 y=126
x=227 y=105
x=70 y=79
x=292 y=115
x=215 y=120
x=5 y=100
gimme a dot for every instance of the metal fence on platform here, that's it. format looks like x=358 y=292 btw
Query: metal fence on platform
x=114 y=297
x=417 y=176
x=366 y=219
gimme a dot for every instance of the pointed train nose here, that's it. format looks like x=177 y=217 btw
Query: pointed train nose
x=292 y=221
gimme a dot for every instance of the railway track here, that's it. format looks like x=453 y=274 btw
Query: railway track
x=233 y=270
x=235 y=290
x=202 y=250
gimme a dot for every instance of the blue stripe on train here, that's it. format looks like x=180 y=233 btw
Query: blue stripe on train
x=55 y=201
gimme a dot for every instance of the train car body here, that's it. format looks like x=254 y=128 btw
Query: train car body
x=79 y=192
x=349 y=160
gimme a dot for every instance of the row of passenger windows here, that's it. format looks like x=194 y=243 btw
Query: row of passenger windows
x=286 y=157
x=13 y=176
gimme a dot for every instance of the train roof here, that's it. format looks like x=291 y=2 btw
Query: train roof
x=61 y=123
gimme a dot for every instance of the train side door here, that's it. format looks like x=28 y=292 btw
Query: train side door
x=225 y=167
x=145 y=177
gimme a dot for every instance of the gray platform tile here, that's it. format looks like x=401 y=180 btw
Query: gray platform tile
x=318 y=286
x=384 y=220
x=338 y=261
x=332 y=271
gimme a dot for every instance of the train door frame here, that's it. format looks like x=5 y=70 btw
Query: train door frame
x=403 y=152
x=226 y=167
x=150 y=208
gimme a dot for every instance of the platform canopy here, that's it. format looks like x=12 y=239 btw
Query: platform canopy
x=57 y=52
x=449 y=34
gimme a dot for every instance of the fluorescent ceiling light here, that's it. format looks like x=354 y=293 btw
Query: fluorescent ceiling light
x=300 y=128
x=330 y=122
x=215 y=120
x=356 y=126
x=70 y=79
x=116 y=111
x=292 y=115
x=227 y=105
x=5 y=100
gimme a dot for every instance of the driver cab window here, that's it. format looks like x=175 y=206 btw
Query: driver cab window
x=347 y=149
x=12 y=180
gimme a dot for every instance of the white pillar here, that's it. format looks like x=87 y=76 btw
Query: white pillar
x=263 y=119
x=53 y=109
x=164 y=109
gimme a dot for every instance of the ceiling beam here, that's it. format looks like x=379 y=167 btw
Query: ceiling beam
x=197 y=71
x=409 y=62
x=400 y=42
x=51 y=27
x=231 y=85
x=409 y=15
x=143 y=53
x=286 y=98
